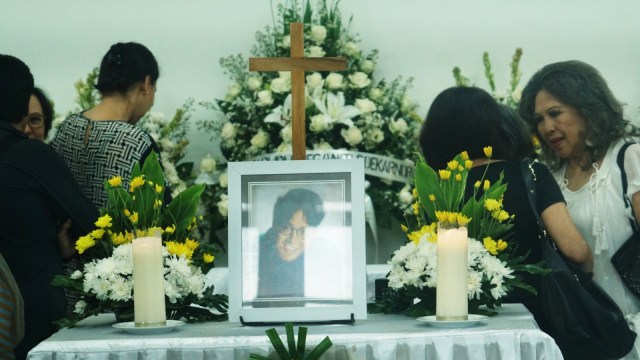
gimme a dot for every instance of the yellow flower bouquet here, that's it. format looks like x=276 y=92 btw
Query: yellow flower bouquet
x=103 y=281
x=441 y=198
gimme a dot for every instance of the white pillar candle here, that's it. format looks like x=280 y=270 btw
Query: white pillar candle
x=148 y=282
x=453 y=275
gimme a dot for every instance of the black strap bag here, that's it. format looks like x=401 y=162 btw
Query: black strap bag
x=627 y=259
x=583 y=320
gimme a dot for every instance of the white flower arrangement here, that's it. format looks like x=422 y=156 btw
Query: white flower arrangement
x=414 y=264
x=349 y=110
x=111 y=278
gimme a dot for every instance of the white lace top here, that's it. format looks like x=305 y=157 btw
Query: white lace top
x=599 y=212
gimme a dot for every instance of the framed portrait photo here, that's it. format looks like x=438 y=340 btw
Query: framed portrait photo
x=296 y=241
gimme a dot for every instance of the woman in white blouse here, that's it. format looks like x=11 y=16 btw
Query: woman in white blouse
x=571 y=108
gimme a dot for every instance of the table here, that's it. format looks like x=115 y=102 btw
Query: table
x=512 y=334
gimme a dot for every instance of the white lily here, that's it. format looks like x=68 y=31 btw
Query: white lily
x=333 y=108
x=281 y=114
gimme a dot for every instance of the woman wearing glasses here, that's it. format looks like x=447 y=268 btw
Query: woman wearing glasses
x=40 y=115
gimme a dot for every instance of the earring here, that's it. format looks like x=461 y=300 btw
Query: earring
x=146 y=93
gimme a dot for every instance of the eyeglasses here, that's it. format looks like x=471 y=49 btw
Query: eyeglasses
x=35 y=120
x=290 y=230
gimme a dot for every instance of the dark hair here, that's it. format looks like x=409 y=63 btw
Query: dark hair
x=298 y=199
x=16 y=84
x=47 y=108
x=463 y=118
x=126 y=64
x=520 y=143
x=582 y=87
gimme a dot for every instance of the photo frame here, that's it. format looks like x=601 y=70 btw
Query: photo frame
x=297 y=241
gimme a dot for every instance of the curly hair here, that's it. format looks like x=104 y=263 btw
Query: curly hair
x=582 y=87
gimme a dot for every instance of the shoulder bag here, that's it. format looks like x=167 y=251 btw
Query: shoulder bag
x=584 y=321
x=627 y=259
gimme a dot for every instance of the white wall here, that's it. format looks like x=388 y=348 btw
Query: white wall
x=62 y=40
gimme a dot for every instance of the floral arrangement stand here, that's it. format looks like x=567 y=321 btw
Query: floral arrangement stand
x=348 y=114
x=104 y=280
x=297 y=64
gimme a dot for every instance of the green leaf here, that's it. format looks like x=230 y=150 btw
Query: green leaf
x=291 y=340
x=182 y=210
x=253 y=356
x=277 y=344
x=152 y=169
x=324 y=345
x=302 y=341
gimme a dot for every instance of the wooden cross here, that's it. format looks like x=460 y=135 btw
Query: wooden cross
x=297 y=64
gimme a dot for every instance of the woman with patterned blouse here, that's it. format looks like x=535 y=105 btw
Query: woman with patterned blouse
x=104 y=142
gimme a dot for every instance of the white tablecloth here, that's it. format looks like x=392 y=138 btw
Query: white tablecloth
x=511 y=335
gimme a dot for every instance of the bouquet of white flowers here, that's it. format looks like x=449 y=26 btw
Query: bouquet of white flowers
x=347 y=112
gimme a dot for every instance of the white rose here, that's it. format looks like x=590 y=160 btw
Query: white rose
x=334 y=81
x=367 y=66
x=351 y=49
x=366 y=105
x=284 y=148
x=352 y=135
x=360 y=80
x=254 y=83
x=265 y=98
x=405 y=196
x=234 y=90
x=322 y=146
x=286 y=133
x=318 y=123
x=375 y=136
x=285 y=75
x=316 y=51
x=318 y=33
x=280 y=85
x=228 y=131
x=405 y=104
x=224 y=179
x=314 y=80
x=207 y=164
x=398 y=127
x=286 y=41
x=223 y=205
x=376 y=94
x=259 y=140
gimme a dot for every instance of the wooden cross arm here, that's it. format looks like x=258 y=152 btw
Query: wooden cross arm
x=292 y=64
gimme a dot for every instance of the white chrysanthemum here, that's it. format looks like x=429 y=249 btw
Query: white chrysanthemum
x=76 y=275
x=497 y=291
x=121 y=289
x=105 y=267
x=80 y=307
x=171 y=291
x=405 y=196
x=101 y=288
x=474 y=285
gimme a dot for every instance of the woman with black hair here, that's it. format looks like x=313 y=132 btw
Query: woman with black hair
x=104 y=142
x=469 y=119
x=40 y=115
